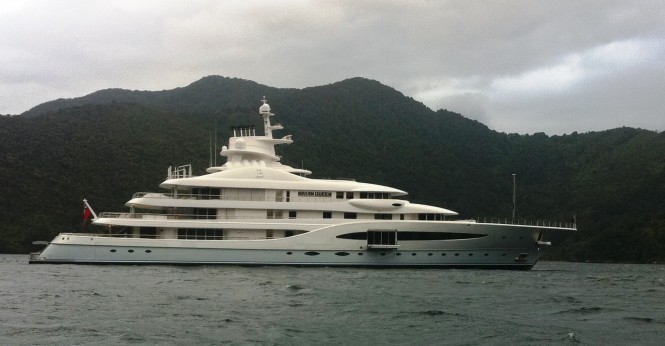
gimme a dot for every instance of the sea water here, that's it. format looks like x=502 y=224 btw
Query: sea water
x=553 y=304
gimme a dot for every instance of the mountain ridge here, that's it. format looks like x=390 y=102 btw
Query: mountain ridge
x=109 y=144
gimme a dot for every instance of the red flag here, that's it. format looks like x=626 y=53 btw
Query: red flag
x=86 y=214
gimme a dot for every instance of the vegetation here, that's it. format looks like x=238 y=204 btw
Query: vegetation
x=109 y=144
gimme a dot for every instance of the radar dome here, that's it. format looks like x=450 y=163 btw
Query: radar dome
x=265 y=108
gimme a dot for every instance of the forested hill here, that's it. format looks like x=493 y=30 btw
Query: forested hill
x=208 y=95
x=107 y=145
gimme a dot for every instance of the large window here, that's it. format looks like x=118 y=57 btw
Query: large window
x=381 y=237
x=200 y=234
x=350 y=215
x=344 y=195
x=374 y=195
x=407 y=236
x=205 y=213
x=148 y=232
x=206 y=192
x=431 y=217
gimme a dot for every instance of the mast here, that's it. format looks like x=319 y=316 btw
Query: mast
x=264 y=111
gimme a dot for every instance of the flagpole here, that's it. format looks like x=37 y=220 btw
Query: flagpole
x=514 y=200
x=94 y=215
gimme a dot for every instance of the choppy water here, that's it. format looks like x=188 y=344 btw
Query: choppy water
x=555 y=304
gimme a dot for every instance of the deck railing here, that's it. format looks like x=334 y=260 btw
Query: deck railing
x=158 y=195
x=179 y=172
x=524 y=222
x=153 y=236
x=487 y=220
x=153 y=216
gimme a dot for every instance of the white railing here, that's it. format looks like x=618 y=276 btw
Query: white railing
x=158 y=195
x=184 y=171
x=154 y=216
x=487 y=220
x=524 y=222
x=153 y=236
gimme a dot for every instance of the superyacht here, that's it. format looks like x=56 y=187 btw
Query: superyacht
x=254 y=210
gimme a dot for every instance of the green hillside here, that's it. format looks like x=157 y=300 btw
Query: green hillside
x=107 y=145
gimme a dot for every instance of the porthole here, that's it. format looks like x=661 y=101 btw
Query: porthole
x=456 y=254
x=112 y=250
x=130 y=250
x=413 y=254
x=341 y=253
x=504 y=237
x=503 y=254
x=399 y=254
x=470 y=254
x=289 y=253
x=148 y=251
x=486 y=254
x=429 y=254
x=444 y=254
x=383 y=254
x=311 y=253
x=360 y=253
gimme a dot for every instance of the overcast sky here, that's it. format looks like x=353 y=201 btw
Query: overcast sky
x=516 y=66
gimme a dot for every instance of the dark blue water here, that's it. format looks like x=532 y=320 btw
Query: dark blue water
x=554 y=304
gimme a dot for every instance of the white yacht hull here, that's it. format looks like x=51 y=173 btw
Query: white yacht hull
x=499 y=258
x=493 y=246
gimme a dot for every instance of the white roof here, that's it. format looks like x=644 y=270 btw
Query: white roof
x=269 y=178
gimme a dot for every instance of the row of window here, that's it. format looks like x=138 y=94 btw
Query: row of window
x=215 y=193
x=374 y=195
x=217 y=234
x=211 y=214
x=388 y=237
x=381 y=237
x=200 y=234
x=328 y=215
x=130 y=251
x=431 y=217
x=344 y=253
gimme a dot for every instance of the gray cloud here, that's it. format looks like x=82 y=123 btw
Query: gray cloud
x=518 y=66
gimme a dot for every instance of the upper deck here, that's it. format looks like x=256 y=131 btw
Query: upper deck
x=246 y=149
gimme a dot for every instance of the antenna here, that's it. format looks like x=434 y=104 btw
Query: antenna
x=215 y=151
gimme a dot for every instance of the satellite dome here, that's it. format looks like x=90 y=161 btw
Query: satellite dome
x=265 y=108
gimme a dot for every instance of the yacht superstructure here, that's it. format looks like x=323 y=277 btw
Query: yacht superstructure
x=254 y=210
